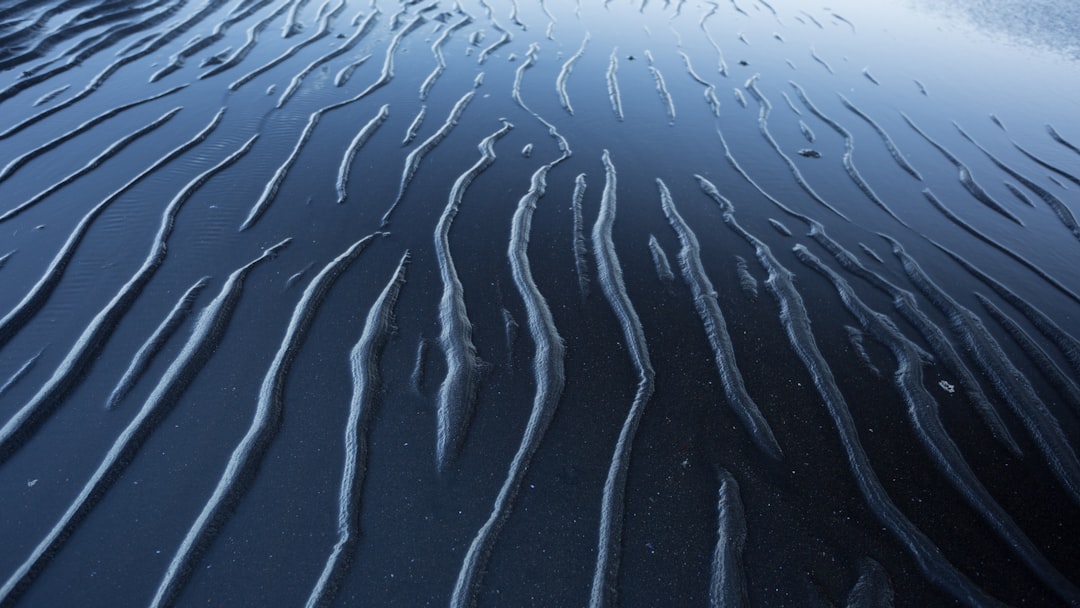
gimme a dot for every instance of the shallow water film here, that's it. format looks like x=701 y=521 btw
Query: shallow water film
x=539 y=303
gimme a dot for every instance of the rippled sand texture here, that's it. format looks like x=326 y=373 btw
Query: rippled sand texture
x=536 y=303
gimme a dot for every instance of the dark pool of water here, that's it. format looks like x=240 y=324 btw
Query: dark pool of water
x=532 y=411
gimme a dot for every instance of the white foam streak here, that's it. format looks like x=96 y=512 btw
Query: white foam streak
x=609 y=272
x=613 y=84
x=358 y=142
x=889 y=143
x=19 y=373
x=412 y=161
x=154 y=343
x=414 y=126
x=710 y=89
x=727 y=589
x=364 y=365
x=708 y=309
x=549 y=377
x=564 y=74
x=721 y=66
x=660 y=260
x=271 y=188
x=580 y=262
x=440 y=61
x=457 y=392
x=661 y=87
